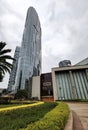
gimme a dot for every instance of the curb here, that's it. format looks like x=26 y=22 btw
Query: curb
x=69 y=124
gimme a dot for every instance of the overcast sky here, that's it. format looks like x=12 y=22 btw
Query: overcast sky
x=64 y=26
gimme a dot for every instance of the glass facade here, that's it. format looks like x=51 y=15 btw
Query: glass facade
x=14 y=70
x=30 y=56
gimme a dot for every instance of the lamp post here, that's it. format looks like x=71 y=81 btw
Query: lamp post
x=49 y=94
x=60 y=92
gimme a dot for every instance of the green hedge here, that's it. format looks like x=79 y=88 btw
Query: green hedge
x=53 y=120
x=76 y=100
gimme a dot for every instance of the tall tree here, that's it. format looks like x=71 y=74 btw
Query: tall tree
x=5 y=66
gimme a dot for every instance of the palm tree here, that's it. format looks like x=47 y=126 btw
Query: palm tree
x=1 y=77
x=5 y=66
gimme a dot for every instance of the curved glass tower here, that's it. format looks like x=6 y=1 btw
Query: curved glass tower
x=30 y=55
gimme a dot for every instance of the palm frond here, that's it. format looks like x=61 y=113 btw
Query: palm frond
x=5 y=68
x=2 y=70
x=5 y=51
x=4 y=65
x=2 y=45
x=8 y=64
x=6 y=57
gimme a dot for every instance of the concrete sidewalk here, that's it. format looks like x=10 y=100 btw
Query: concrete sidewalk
x=79 y=116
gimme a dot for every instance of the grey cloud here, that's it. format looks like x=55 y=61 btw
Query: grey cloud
x=64 y=28
x=5 y=8
x=69 y=13
x=78 y=8
x=73 y=17
x=51 y=11
x=10 y=31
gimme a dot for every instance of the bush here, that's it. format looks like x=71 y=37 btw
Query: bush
x=4 y=100
x=21 y=94
x=53 y=120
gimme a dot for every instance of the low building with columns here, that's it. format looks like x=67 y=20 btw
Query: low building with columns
x=65 y=83
x=70 y=82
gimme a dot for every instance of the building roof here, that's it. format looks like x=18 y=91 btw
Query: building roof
x=70 y=68
x=83 y=62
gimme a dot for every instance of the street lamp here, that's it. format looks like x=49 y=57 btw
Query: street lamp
x=60 y=93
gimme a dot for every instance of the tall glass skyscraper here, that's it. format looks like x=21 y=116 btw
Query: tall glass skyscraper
x=14 y=70
x=30 y=55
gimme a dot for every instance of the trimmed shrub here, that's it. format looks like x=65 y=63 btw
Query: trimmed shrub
x=53 y=120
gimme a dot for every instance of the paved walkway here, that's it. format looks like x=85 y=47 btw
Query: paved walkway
x=77 y=125
x=80 y=115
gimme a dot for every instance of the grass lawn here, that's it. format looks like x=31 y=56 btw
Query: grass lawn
x=20 y=118
x=9 y=105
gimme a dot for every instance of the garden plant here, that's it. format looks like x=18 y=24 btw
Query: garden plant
x=46 y=116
